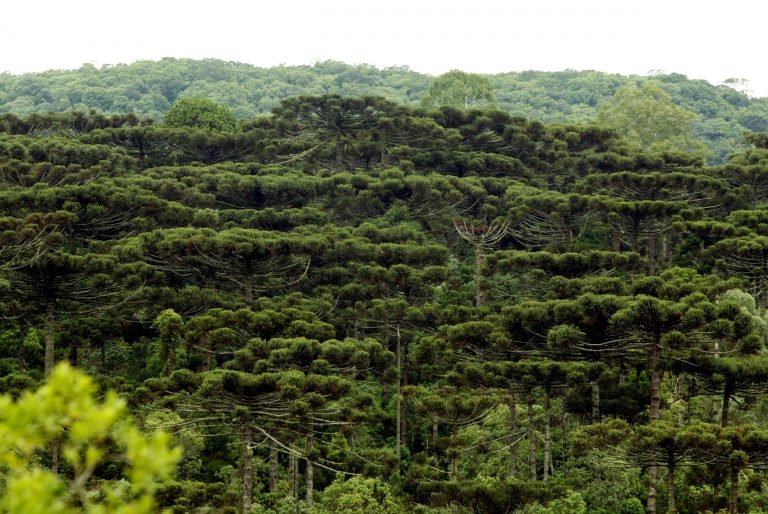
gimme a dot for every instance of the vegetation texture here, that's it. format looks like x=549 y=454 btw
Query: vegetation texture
x=718 y=114
x=358 y=305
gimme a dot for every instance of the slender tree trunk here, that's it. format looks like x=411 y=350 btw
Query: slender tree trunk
x=664 y=257
x=634 y=242
x=513 y=430
x=49 y=359
x=248 y=290
x=616 y=237
x=479 y=260
x=531 y=435
x=273 y=465
x=398 y=399
x=568 y=243
x=171 y=362
x=208 y=354
x=50 y=338
x=453 y=466
x=404 y=415
x=293 y=477
x=20 y=356
x=733 y=501
x=653 y=469
x=547 y=434
x=727 y=393
x=310 y=474
x=339 y=155
x=651 y=254
x=247 y=468
x=655 y=380
x=435 y=434
x=671 y=497
x=595 y=401
x=73 y=353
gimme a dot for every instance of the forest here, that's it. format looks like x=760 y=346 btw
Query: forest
x=355 y=305
x=149 y=88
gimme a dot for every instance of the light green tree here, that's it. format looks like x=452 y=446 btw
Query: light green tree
x=200 y=112
x=66 y=408
x=647 y=117
x=461 y=90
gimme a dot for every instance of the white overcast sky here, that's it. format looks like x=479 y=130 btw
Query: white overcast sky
x=709 y=39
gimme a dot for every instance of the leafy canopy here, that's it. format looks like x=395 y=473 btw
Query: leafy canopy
x=66 y=409
x=200 y=112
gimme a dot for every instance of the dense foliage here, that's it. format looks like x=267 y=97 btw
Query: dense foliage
x=356 y=305
x=721 y=113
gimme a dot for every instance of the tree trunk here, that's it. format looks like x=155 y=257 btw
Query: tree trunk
x=479 y=260
x=651 y=254
x=653 y=470
x=453 y=466
x=733 y=501
x=435 y=434
x=50 y=338
x=248 y=290
x=55 y=451
x=208 y=353
x=404 y=414
x=273 y=464
x=247 y=468
x=655 y=382
x=73 y=353
x=616 y=236
x=727 y=393
x=339 y=154
x=671 y=497
x=293 y=477
x=22 y=362
x=547 y=434
x=655 y=406
x=170 y=365
x=50 y=348
x=310 y=472
x=513 y=430
x=568 y=243
x=531 y=436
x=398 y=399
x=634 y=242
x=595 y=402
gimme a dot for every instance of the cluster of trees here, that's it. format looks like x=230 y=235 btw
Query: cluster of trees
x=720 y=114
x=358 y=305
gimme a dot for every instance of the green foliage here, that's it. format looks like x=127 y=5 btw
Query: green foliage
x=89 y=432
x=358 y=494
x=201 y=113
x=647 y=117
x=461 y=90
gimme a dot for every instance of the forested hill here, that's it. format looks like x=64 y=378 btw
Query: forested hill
x=355 y=306
x=149 y=88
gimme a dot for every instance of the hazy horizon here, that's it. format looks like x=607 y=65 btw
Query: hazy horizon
x=702 y=39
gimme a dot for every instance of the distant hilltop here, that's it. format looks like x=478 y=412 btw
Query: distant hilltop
x=148 y=88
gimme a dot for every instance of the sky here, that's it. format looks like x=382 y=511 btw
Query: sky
x=709 y=39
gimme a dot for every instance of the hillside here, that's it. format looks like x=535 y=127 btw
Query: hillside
x=149 y=88
x=355 y=306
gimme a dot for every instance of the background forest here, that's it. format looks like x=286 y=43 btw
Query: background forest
x=359 y=304
x=149 y=88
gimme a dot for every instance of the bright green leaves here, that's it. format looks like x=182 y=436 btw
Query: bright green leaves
x=647 y=117
x=66 y=409
x=461 y=90
x=202 y=113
